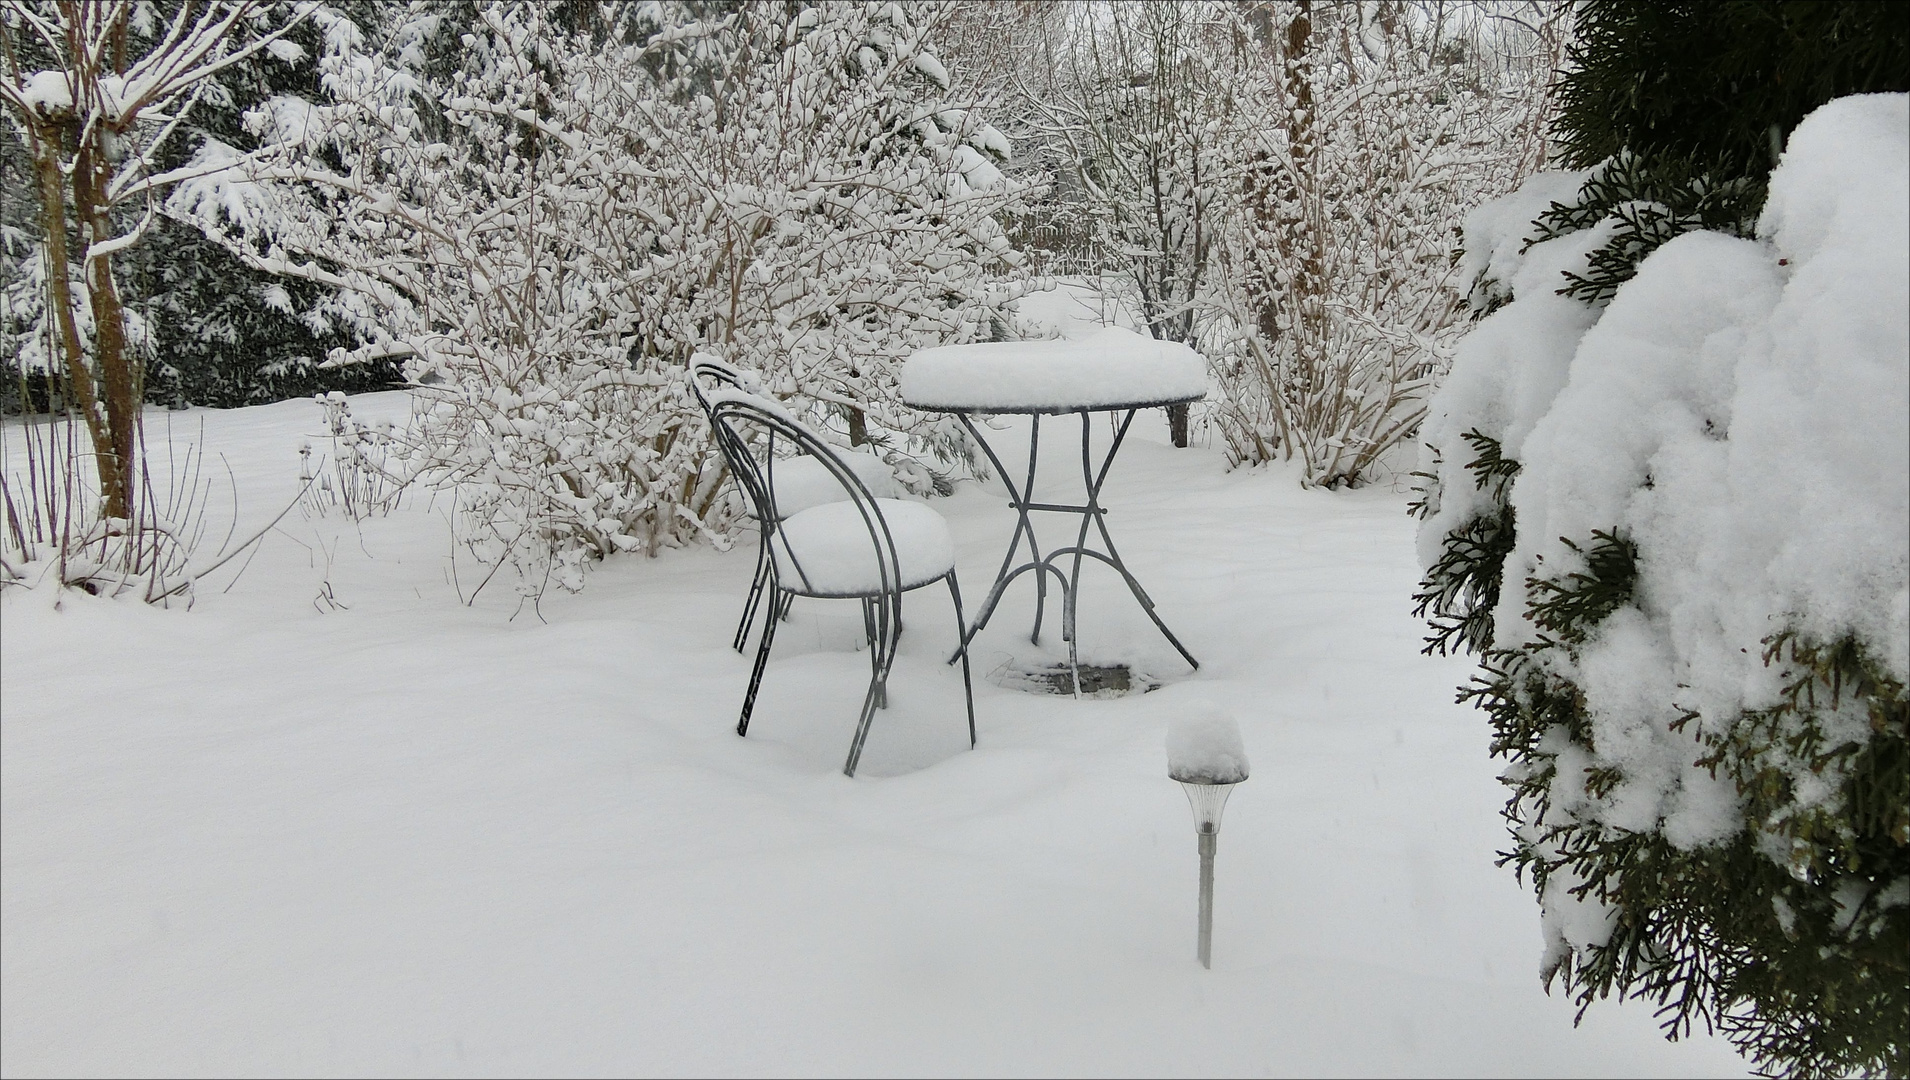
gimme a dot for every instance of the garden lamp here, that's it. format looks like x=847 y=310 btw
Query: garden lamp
x=1205 y=754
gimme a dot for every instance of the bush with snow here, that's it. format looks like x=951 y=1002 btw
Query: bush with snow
x=553 y=214
x=1279 y=186
x=1673 y=520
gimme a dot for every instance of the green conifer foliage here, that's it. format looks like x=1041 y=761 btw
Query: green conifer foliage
x=1791 y=937
x=1719 y=85
x=1461 y=589
x=1648 y=201
x=1681 y=110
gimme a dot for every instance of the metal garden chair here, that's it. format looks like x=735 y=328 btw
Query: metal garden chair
x=801 y=482
x=857 y=546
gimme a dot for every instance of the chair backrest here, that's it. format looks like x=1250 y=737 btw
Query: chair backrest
x=736 y=414
x=800 y=481
x=716 y=373
x=710 y=375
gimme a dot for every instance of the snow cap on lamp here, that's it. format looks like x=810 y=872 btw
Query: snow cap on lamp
x=1204 y=746
x=1205 y=753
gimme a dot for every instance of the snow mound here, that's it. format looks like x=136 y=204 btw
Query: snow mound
x=1114 y=368
x=1204 y=747
x=1505 y=375
x=1496 y=231
x=1742 y=409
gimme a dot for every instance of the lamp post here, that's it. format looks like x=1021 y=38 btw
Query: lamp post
x=1205 y=753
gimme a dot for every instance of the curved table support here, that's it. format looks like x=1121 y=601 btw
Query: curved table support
x=1091 y=510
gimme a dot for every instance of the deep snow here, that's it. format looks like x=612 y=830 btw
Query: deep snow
x=333 y=821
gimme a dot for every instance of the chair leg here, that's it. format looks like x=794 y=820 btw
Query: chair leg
x=887 y=624
x=961 y=627
x=863 y=723
x=869 y=635
x=755 y=598
x=762 y=660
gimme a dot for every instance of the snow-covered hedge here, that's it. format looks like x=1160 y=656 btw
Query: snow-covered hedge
x=1675 y=527
x=549 y=217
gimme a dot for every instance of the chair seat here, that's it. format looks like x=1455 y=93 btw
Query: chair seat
x=826 y=551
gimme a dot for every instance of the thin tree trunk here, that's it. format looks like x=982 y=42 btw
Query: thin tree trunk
x=119 y=383
x=1300 y=127
x=115 y=491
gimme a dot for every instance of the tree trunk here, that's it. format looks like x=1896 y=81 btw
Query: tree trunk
x=118 y=381
x=1300 y=127
x=104 y=426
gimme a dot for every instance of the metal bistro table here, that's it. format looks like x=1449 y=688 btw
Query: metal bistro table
x=1114 y=371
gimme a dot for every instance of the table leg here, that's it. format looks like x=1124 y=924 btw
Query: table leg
x=1023 y=524
x=1114 y=555
x=1094 y=481
x=1140 y=594
x=1022 y=500
x=1034 y=553
x=1090 y=511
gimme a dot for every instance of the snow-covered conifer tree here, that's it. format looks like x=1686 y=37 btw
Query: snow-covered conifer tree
x=1666 y=507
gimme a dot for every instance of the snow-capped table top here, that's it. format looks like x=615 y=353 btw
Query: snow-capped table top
x=1114 y=369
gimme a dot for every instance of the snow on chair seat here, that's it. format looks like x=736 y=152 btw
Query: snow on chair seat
x=825 y=550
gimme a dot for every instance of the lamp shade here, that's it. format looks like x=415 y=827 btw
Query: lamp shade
x=1208 y=802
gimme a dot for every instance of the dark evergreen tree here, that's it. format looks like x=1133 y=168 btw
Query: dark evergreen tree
x=1681 y=110
x=224 y=334
x=217 y=332
x=1719 y=85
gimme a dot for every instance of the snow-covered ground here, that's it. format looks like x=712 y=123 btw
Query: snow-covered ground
x=335 y=821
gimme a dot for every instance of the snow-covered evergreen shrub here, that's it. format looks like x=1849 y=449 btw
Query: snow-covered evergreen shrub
x=1675 y=528
x=550 y=213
